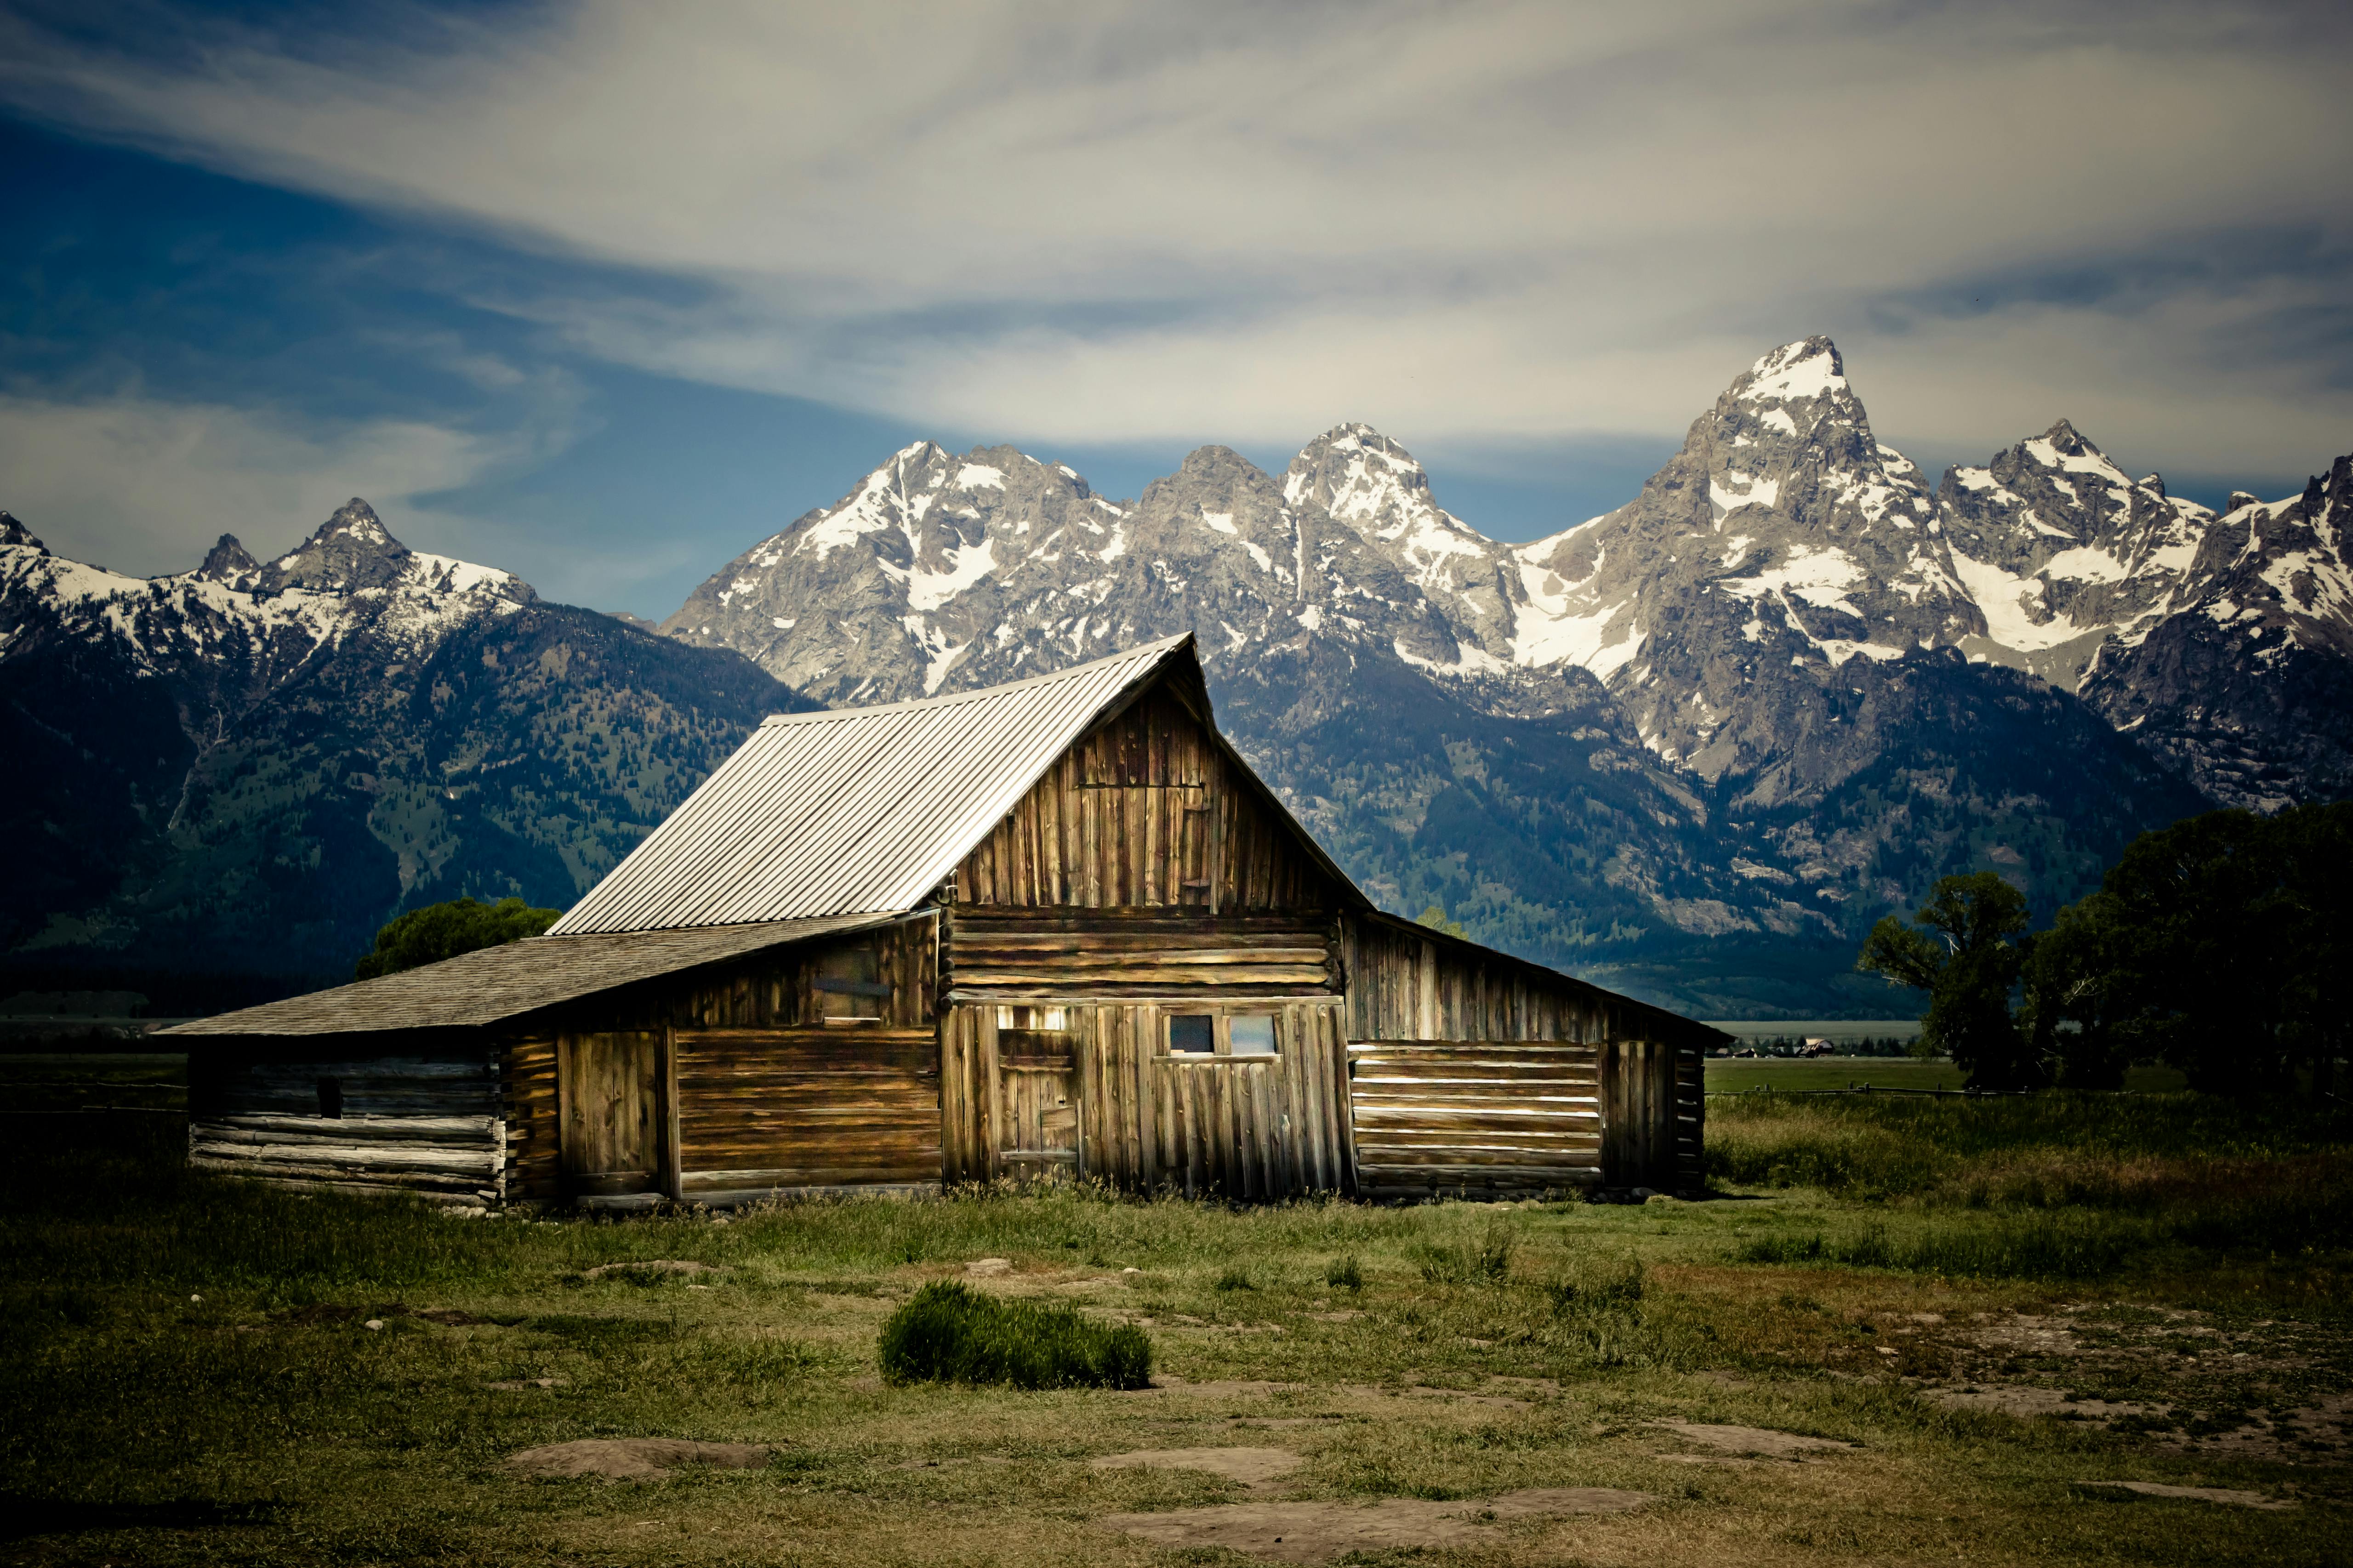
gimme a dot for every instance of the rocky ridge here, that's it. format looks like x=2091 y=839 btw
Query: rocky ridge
x=248 y=767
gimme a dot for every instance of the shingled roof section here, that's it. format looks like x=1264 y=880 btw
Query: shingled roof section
x=859 y=810
x=495 y=983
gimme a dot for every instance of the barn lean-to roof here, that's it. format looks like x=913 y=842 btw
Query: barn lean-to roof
x=495 y=983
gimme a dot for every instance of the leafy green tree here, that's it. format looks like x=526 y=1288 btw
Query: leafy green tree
x=443 y=931
x=1435 y=918
x=1966 y=958
x=2234 y=942
x=2078 y=996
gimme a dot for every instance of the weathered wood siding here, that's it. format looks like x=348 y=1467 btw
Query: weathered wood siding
x=1145 y=812
x=1403 y=985
x=1246 y=1128
x=814 y=1066
x=1445 y=1026
x=764 y=1109
x=1657 y=1098
x=535 y=1159
x=1009 y=954
x=1475 y=1118
x=423 y=1119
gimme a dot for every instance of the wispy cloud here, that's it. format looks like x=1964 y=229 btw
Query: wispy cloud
x=138 y=484
x=1106 y=222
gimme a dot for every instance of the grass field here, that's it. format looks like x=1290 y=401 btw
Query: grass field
x=2000 y=1305
x=1737 y=1074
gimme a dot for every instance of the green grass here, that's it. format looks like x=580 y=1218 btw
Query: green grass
x=189 y=1378
x=952 y=1334
x=1735 y=1075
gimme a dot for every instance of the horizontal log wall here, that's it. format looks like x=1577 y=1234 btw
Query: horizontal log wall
x=764 y=1109
x=1144 y=812
x=993 y=954
x=1475 y=1118
x=423 y=1124
x=1248 y=1129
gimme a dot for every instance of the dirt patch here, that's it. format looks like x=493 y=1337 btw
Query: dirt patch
x=1751 y=1440
x=633 y=1458
x=2026 y=1403
x=650 y=1267
x=987 y=1267
x=1319 y=1532
x=1218 y=1388
x=511 y=1384
x=2223 y=1495
x=1250 y=1466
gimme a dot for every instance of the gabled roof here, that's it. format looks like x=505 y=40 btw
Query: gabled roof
x=858 y=811
x=501 y=983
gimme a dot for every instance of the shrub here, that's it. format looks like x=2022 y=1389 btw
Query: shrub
x=1487 y=1262
x=1600 y=1287
x=1236 y=1279
x=1343 y=1274
x=950 y=1332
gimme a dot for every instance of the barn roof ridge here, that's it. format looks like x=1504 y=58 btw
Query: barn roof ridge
x=1154 y=650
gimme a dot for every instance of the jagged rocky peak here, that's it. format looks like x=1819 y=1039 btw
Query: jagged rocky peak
x=227 y=561
x=1360 y=475
x=14 y=533
x=2241 y=498
x=350 y=552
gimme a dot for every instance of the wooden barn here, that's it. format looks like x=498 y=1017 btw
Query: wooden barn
x=1051 y=930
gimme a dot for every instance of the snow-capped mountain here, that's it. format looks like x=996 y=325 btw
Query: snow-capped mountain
x=1691 y=747
x=1819 y=681
x=2061 y=552
x=251 y=765
x=2244 y=672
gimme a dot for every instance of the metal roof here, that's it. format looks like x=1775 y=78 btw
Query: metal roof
x=500 y=982
x=862 y=810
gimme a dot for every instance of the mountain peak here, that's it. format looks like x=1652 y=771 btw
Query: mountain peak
x=227 y=560
x=1794 y=373
x=2065 y=438
x=351 y=551
x=15 y=533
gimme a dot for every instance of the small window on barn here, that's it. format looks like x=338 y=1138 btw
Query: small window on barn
x=1039 y=1035
x=1253 y=1033
x=1192 y=1034
x=848 y=986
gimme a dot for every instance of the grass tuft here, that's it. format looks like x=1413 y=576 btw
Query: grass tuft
x=950 y=1332
x=1345 y=1273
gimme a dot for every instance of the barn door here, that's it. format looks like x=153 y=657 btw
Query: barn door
x=608 y=1087
x=1036 y=1093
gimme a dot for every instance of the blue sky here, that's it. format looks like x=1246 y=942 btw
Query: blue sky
x=602 y=293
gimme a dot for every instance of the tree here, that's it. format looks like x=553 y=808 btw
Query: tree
x=1435 y=918
x=1966 y=960
x=436 y=931
x=2077 y=996
x=2234 y=942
